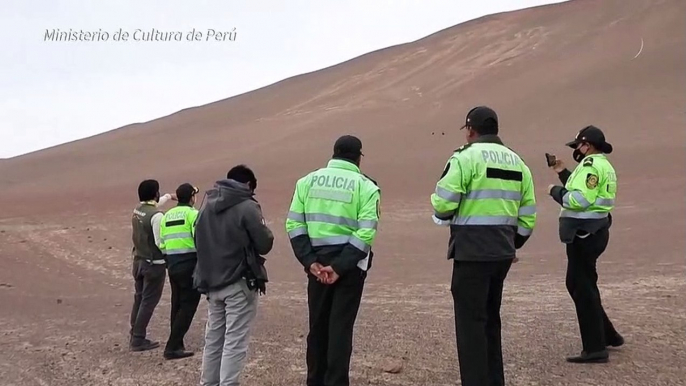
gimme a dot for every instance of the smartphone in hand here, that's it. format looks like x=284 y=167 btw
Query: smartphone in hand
x=550 y=159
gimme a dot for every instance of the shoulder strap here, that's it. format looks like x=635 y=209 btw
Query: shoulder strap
x=462 y=148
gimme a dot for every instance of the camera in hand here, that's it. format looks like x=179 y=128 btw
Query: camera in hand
x=550 y=159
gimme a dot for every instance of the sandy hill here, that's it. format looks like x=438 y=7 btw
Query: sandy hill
x=548 y=71
x=65 y=233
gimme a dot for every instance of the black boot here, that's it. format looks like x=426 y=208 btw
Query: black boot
x=594 y=357
x=143 y=345
x=615 y=341
x=178 y=354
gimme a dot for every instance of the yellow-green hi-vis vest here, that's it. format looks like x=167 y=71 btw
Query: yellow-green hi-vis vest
x=335 y=206
x=591 y=189
x=177 y=230
x=486 y=195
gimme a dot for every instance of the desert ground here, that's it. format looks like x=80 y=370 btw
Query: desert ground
x=65 y=283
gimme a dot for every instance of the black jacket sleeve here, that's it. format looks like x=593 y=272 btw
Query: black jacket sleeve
x=347 y=260
x=257 y=228
x=557 y=192
x=303 y=250
x=520 y=240
x=564 y=176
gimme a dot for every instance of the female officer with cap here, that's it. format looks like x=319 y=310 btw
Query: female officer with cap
x=587 y=198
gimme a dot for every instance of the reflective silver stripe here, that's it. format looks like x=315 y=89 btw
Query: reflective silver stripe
x=494 y=193
x=582 y=215
x=565 y=199
x=527 y=210
x=297 y=232
x=524 y=231
x=331 y=240
x=605 y=202
x=340 y=220
x=179 y=251
x=579 y=197
x=339 y=240
x=368 y=224
x=359 y=244
x=327 y=218
x=296 y=216
x=448 y=195
x=179 y=235
x=485 y=220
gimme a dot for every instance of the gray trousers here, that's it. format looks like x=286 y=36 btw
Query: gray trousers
x=231 y=312
x=149 y=285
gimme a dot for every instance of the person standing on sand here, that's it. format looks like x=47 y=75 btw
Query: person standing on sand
x=486 y=196
x=149 y=265
x=331 y=225
x=230 y=237
x=178 y=246
x=587 y=198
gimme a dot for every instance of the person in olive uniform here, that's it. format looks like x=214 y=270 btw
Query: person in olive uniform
x=149 y=265
x=587 y=198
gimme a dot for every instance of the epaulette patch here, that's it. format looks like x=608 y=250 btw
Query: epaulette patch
x=370 y=179
x=462 y=148
x=588 y=161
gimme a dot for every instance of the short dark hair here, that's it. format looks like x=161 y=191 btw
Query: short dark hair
x=148 y=189
x=184 y=193
x=242 y=173
x=488 y=127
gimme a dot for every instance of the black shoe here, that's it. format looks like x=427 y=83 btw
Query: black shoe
x=615 y=341
x=178 y=354
x=594 y=357
x=144 y=345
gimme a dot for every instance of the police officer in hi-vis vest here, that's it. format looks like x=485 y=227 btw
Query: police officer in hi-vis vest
x=587 y=198
x=486 y=197
x=332 y=225
x=177 y=232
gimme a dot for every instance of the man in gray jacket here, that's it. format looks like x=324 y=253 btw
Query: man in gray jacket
x=230 y=237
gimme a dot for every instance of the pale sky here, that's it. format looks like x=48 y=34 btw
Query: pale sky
x=52 y=92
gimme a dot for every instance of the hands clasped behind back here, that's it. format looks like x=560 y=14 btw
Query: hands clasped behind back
x=324 y=274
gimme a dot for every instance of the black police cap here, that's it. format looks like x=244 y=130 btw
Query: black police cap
x=185 y=191
x=347 y=145
x=594 y=136
x=478 y=116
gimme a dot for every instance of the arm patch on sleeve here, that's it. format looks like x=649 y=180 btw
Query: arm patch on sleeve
x=591 y=181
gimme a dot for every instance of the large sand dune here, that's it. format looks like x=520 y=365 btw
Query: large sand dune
x=65 y=287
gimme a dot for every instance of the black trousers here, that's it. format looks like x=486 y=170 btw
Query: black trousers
x=477 y=289
x=149 y=284
x=333 y=310
x=184 y=303
x=582 y=283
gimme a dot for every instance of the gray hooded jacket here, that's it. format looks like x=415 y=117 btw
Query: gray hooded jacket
x=229 y=227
